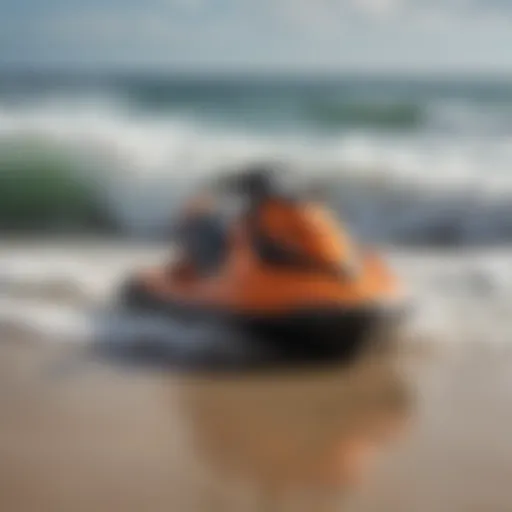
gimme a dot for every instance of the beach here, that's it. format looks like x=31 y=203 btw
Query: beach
x=93 y=170
x=423 y=427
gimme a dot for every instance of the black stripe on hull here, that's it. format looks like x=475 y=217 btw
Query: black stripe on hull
x=320 y=333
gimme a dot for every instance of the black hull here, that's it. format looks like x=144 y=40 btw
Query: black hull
x=315 y=333
x=309 y=334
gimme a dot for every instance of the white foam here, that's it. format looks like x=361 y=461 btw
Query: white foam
x=90 y=271
x=462 y=298
x=40 y=321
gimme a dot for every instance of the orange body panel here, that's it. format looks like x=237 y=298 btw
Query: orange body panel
x=245 y=284
x=310 y=229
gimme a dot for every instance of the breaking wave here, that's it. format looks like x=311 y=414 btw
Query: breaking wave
x=100 y=165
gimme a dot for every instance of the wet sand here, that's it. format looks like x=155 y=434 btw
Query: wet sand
x=386 y=435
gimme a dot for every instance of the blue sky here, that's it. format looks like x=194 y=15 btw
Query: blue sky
x=303 y=35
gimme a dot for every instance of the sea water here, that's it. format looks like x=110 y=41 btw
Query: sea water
x=422 y=167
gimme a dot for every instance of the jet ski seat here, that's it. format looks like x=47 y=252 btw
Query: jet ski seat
x=204 y=239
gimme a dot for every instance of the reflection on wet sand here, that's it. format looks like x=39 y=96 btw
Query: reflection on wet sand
x=102 y=439
x=308 y=433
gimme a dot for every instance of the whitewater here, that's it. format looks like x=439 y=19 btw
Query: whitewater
x=414 y=187
x=64 y=291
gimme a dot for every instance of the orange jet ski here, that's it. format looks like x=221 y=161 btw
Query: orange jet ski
x=277 y=265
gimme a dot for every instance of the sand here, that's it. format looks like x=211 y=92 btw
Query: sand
x=386 y=435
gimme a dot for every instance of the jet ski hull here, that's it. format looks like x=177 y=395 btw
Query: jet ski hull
x=309 y=333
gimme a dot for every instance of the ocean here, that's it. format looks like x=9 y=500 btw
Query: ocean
x=409 y=161
x=422 y=168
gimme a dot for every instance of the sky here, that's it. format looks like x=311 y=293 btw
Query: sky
x=259 y=35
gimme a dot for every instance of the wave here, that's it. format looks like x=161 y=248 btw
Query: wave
x=295 y=105
x=40 y=188
x=98 y=166
x=396 y=116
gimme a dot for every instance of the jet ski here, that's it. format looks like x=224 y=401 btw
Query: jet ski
x=275 y=264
